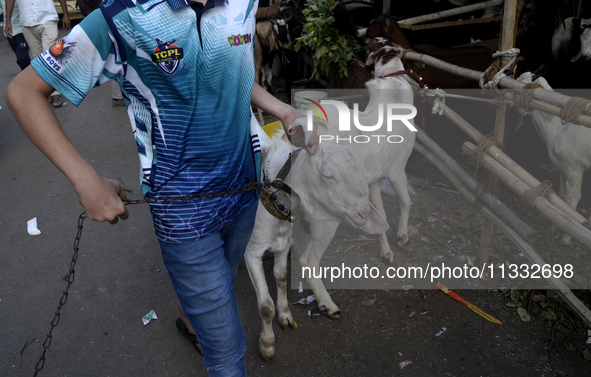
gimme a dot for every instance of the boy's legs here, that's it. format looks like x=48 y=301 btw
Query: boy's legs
x=202 y=273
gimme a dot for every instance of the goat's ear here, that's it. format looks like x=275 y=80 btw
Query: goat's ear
x=371 y=58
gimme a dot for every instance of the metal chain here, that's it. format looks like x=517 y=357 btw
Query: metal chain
x=56 y=318
x=252 y=186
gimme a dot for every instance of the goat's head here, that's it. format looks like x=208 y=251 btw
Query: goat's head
x=332 y=187
x=281 y=30
x=585 y=52
x=379 y=26
x=384 y=56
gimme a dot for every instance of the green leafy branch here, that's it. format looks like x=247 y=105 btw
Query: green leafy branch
x=329 y=48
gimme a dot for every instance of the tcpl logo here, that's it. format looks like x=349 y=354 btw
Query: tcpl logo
x=344 y=121
x=168 y=57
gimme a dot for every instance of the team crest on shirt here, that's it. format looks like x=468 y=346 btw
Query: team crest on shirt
x=168 y=57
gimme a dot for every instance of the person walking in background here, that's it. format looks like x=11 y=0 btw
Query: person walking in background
x=116 y=95
x=18 y=43
x=39 y=21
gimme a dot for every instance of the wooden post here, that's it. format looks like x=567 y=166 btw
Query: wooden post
x=507 y=42
x=386 y=8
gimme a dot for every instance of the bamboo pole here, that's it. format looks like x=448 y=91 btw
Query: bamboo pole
x=361 y=32
x=564 y=292
x=583 y=120
x=564 y=222
x=495 y=204
x=450 y=12
x=545 y=95
x=439 y=25
x=511 y=165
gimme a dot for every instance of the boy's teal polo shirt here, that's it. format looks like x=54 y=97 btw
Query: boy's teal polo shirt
x=187 y=96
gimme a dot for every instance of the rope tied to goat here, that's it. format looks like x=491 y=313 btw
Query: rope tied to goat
x=542 y=190
x=573 y=109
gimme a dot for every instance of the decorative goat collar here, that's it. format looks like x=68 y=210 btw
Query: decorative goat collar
x=412 y=74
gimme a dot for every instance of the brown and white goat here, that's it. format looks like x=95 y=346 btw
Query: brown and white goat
x=477 y=58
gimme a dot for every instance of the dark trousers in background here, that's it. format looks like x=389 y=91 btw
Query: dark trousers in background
x=21 y=50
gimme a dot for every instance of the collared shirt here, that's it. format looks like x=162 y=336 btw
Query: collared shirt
x=187 y=96
x=36 y=12
x=14 y=20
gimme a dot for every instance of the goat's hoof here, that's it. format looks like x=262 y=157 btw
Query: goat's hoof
x=287 y=325
x=335 y=316
x=403 y=241
x=266 y=358
x=267 y=352
x=388 y=259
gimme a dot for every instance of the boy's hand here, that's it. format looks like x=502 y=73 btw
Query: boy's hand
x=103 y=200
x=297 y=135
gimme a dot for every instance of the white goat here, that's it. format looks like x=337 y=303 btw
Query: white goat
x=569 y=148
x=564 y=36
x=380 y=160
x=319 y=208
x=332 y=187
x=585 y=37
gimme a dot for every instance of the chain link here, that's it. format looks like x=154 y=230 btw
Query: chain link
x=252 y=186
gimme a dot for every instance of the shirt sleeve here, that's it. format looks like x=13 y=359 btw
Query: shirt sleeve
x=85 y=58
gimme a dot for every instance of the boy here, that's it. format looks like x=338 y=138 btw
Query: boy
x=186 y=72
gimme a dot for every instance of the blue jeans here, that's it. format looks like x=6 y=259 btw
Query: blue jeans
x=202 y=273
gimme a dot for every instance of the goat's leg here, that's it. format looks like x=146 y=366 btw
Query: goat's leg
x=573 y=184
x=284 y=316
x=321 y=235
x=254 y=264
x=375 y=197
x=400 y=186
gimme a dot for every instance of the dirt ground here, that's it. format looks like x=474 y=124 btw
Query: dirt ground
x=120 y=277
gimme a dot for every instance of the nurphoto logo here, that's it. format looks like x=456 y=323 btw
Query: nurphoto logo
x=368 y=130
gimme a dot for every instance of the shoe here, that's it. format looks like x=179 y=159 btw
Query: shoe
x=57 y=101
x=118 y=102
x=180 y=325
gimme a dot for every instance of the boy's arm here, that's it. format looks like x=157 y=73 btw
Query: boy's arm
x=26 y=96
x=287 y=114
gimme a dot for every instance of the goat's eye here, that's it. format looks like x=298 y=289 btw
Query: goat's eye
x=329 y=178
